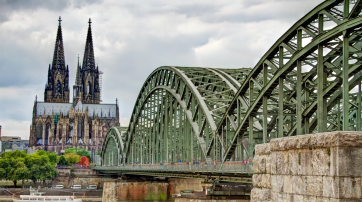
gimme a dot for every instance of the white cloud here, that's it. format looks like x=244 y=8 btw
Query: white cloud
x=16 y=128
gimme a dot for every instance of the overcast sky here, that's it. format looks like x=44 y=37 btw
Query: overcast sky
x=131 y=39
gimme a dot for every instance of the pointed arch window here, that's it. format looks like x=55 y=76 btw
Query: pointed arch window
x=58 y=87
x=89 y=88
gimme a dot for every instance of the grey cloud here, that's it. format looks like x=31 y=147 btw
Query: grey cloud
x=9 y=7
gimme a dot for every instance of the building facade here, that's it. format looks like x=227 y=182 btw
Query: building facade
x=58 y=124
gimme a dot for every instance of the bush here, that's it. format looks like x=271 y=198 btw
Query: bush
x=63 y=161
x=72 y=158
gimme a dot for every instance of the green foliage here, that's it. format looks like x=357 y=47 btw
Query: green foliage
x=83 y=152
x=72 y=158
x=80 y=152
x=73 y=175
x=18 y=165
x=63 y=161
x=71 y=150
x=72 y=168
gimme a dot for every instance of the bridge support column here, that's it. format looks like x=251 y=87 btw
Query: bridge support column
x=315 y=167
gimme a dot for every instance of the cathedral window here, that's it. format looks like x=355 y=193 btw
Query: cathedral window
x=39 y=134
x=47 y=131
x=58 y=87
x=88 y=88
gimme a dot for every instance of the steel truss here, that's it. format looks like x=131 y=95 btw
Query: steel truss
x=309 y=81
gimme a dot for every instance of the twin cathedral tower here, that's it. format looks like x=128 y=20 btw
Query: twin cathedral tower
x=86 y=86
x=58 y=124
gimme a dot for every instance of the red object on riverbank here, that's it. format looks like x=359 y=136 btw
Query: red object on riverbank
x=84 y=161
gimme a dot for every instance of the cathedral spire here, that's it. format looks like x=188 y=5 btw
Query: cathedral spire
x=88 y=59
x=78 y=79
x=58 y=57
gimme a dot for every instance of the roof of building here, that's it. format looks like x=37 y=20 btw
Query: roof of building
x=100 y=110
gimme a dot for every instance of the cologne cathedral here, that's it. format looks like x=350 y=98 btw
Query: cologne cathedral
x=58 y=124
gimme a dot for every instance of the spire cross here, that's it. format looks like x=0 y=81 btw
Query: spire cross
x=89 y=21
x=60 y=19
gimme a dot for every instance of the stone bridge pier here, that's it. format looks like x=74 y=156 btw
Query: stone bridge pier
x=325 y=167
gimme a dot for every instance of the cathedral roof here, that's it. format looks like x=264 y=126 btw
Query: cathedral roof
x=101 y=110
x=58 y=57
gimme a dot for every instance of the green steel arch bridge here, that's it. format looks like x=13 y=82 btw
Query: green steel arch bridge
x=309 y=81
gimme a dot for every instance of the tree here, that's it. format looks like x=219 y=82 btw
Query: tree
x=18 y=165
x=63 y=161
x=13 y=163
x=42 y=165
x=72 y=158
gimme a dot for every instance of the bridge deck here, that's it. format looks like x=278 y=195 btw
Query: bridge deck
x=235 y=171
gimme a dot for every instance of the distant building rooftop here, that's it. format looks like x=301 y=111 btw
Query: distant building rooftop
x=7 y=138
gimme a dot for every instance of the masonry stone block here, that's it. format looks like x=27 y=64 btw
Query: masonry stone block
x=277 y=183
x=266 y=181
x=350 y=187
x=267 y=164
x=291 y=143
x=317 y=140
x=257 y=180
x=349 y=161
x=299 y=185
x=256 y=164
x=303 y=142
x=294 y=163
x=330 y=187
x=287 y=184
x=320 y=162
x=310 y=198
x=322 y=199
x=262 y=149
x=282 y=161
x=314 y=185
x=298 y=198
x=273 y=163
x=262 y=164
x=305 y=162
x=260 y=195
x=350 y=139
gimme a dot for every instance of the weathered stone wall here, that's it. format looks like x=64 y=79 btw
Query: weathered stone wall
x=316 y=167
x=177 y=184
x=209 y=200
x=114 y=191
x=121 y=190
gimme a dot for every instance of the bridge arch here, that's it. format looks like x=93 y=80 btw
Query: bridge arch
x=309 y=81
x=112 y=150
x=317 y=58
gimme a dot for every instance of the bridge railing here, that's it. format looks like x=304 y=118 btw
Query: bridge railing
x=228 y=167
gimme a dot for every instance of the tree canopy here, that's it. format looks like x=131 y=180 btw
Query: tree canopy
x=63 y=161
x=18 y=165
x=72 y=158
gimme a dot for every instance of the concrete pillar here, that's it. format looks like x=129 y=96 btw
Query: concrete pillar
x=109 y=191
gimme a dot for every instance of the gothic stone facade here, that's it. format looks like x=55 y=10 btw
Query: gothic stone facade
x=58 y=124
